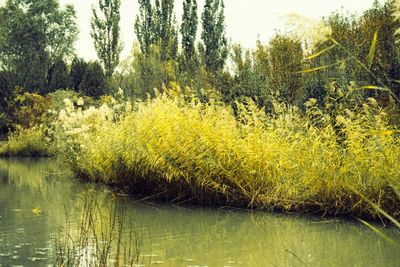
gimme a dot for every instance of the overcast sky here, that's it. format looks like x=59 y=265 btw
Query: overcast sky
x=246 y=20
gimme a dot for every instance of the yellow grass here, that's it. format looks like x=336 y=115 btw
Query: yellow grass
x=182 y=150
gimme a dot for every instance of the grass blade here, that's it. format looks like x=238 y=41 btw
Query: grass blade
x=373 y=87
x=320 y=52
x=379 y=209
x=319 y=68
x=380 y=233
x=372 y=49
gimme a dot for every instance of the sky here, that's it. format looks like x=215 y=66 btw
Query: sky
x=246 y=20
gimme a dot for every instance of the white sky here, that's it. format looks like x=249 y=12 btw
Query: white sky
x=246 y=20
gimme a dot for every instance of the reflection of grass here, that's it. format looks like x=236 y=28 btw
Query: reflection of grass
x=386 y=216
x=101 y=237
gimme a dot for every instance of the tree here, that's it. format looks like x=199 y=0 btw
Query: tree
x=155 y=25
x=285 y=62
x=188 y=33
x=246 y=80
x=144 y=26
x=78 y=69
x=106 y=34
x=33 y=34
x=94 y=81
x=165 y=34
x=214 y=42
x=58 y=76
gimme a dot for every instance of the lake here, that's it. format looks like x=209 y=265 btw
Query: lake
x=39 y=197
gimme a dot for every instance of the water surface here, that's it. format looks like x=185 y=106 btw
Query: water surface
x=36 y=195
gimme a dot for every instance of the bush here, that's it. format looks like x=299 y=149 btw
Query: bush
x=30 y=142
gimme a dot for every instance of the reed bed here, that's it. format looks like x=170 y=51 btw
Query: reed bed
x=183 y=150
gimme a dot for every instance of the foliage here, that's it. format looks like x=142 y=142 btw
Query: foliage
x=189 y=150
x=106 y=34
x=144 y=73
x=166 y=34
x=94 y=81
x=28 y=109
x=285 y=62
x=78 y=69
x=155 y=25
x=31 y=142
x=58 y=76
x=144 y=26
x=33 y=35
x=214 y=42
x=188 y=31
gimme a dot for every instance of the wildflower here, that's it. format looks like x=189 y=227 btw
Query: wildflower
x=120 y=91
x=80 y=101
x=313 y=32
x=69 y=106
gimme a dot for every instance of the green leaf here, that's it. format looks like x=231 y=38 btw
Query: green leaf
x=372 y=49
x=320 y=52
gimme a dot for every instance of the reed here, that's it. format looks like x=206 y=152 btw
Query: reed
x=98 y=235
x=181 y=149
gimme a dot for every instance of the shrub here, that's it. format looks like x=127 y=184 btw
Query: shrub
x=31 y=142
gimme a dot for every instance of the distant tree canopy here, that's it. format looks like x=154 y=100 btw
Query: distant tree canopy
x=33 y=35
x=156 y=25
x=37 y=41
x=93 y=81
x=78 y=69
x=58 y=76
x=214 y=44
x=106 y=34
x=188 y=32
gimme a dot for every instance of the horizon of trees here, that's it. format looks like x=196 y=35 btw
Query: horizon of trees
x=38 y=36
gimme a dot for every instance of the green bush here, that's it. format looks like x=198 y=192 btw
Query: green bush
x=30 y=142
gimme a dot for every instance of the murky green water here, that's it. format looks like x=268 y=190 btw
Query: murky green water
x=35 y=195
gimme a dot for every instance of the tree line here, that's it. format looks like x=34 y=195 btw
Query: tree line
x=37 y=40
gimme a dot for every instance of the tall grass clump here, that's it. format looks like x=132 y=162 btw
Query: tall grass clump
x=31 y=142
x=182 y=149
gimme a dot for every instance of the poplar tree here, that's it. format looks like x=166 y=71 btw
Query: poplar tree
x=144 y=26
x=164 y=28
x=214 y=45
x=106 y=34
x=189 y=31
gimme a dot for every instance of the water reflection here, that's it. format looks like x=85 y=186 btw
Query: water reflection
x=175 y=236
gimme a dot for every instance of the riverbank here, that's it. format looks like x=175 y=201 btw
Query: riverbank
x=169 y=235
x=186 y=151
